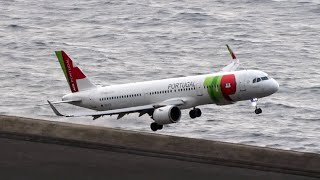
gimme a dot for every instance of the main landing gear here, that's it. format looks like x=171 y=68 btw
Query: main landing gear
x=194 y=113
x=154 y=126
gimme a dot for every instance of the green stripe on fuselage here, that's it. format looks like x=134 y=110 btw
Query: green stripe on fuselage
x=213 y=87
x=60 y=58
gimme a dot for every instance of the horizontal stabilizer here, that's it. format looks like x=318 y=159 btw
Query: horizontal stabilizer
x=54 y=109
x=61 y=102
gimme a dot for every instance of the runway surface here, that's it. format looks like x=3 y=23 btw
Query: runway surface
x=32 y=160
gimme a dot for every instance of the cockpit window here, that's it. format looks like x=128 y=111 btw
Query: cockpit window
x=255 y=80
x=258 y=79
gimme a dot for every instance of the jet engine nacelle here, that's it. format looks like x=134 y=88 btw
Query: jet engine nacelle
x=166 y=115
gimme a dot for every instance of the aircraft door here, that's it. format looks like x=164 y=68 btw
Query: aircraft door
x=242 y=81
x=199 y=89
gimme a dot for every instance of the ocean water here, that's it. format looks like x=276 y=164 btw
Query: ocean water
x=124 y=41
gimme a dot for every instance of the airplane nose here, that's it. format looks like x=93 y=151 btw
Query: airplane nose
x=275 y=86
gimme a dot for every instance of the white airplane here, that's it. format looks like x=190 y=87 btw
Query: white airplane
x=164 y=99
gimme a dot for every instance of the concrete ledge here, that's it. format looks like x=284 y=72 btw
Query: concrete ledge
x=188 y=149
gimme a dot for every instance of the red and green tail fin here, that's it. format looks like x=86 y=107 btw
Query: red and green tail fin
x=77 y=80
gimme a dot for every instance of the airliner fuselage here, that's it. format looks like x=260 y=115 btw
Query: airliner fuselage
x=164 y=99
x=219 y=88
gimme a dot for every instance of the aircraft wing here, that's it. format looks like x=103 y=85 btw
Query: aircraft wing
x=121 y=112
x=234 y=64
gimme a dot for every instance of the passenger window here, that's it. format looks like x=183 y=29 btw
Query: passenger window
x=255 y=80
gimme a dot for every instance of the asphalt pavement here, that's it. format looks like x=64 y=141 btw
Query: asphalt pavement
x=20 y=159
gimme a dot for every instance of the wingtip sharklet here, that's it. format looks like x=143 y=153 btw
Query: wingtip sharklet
x=231 y=52
x=234 y=64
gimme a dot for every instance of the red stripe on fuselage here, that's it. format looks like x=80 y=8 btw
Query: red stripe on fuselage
x=228 y=86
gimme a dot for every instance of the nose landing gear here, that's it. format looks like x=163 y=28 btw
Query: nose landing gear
x=258 y=110
x=194 y=113
x=254 y=102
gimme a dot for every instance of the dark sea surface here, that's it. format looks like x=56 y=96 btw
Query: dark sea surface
x=125 y=41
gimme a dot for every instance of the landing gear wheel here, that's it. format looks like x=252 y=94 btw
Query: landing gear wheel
x=258 y=111
x=192 y=114
x=195 y=112
x=198 y=112
x=154 y=126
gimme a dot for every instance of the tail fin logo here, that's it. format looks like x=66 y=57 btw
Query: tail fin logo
x=71 y=71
